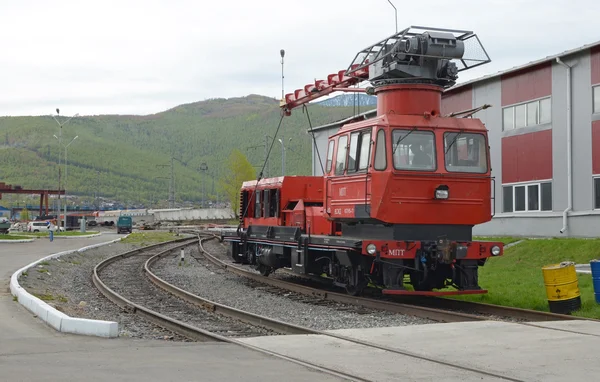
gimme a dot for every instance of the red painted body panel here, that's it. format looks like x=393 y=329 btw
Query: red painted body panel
x=527 y=84
x=457 y=100
x=408 y=250
x=596 y=147
x=300 y=189
x=527 y=157
x=595 y=64
x=408 y=100
x=406 y=197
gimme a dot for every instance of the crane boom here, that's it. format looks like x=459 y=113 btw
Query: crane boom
x=340 y=81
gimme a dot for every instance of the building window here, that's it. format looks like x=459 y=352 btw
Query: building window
x=596 y=193
x=527 y=114
x=596 y=98
x=529 y=197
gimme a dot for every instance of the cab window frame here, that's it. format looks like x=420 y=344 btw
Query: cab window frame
x=330 y=152
x=483 y=144
x=341 y=149
x=412 y=131
x=360 y=134
x=380 y=144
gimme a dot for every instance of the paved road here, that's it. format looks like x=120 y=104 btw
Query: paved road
x=32 y=351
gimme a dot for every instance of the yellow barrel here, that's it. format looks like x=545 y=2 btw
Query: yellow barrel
x=562 y=288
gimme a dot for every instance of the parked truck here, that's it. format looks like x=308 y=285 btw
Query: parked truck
x=124 y=224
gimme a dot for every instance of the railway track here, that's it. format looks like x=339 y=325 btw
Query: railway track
x=132 y=295
x=217 y=322
x=433 y=308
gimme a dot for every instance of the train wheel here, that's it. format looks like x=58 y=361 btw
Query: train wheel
x=357 y=282
x=264 y=270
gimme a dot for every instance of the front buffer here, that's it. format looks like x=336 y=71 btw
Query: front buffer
x=429 y=265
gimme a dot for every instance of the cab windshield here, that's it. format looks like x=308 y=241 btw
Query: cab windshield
x=465 y=152
x=413 y=150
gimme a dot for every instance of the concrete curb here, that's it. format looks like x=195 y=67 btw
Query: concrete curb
x=66 y=237
x=74 y=237
x=17 y=241
x=55 y=318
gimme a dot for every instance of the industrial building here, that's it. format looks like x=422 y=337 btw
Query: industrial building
x=544 y=136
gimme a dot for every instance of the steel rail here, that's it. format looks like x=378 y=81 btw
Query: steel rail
x=498 y=310
x=351 y=339
x=188 y=330
x=433 y=308
x=250 y=318
x=149 y=314
x=407 y=309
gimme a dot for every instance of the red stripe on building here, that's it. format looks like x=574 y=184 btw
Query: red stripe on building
x=527 y=84
x=596 y=147
x=595 y=62
x=458 y=100
x=527 y=157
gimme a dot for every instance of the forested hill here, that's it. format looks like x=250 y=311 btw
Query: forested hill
x=129 y=151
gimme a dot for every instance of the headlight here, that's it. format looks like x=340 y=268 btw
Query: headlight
x=495 y=250
x=371 y=249
x=441 y=194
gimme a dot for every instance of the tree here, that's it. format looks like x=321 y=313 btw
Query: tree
x=24 y=214
x=239 y=170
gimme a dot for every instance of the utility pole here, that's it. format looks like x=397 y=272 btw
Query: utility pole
x=172 y=187
x=281 y=140
x=96 y=200
x=203 y=168
x=171 y=179
x=282 y=53
x=60 y=125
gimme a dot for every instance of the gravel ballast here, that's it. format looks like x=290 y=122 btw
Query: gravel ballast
x=66 y=284
x=204 y=279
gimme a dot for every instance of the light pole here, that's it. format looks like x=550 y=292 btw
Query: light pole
x=203 y=168
x=60 y=125
x=73 y=140
x=283 y=155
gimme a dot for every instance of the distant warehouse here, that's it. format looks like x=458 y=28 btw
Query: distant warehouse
x=538 y=110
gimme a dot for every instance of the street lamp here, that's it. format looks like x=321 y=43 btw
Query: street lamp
x=73 y=140
x=60 y=125
x=203 y=168
x=283 y=155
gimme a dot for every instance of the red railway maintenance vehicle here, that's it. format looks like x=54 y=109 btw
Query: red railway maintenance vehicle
x=400 y=192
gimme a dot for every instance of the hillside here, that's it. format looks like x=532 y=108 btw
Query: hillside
x=127 y=150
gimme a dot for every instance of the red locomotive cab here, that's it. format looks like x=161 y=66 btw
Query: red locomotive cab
x=400 y=193
x=410 y=167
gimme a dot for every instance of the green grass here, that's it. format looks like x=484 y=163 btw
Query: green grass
x=14 y=237
x=515 y=279
x=46 y=234
x=150 y=237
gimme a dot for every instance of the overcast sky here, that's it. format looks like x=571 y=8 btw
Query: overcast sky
x=143 y=57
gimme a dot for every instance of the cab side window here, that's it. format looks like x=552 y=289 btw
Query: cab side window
x=365 y=151
x=340 y=158
x=380 y=154
x=352 y=156
x=329 y=157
